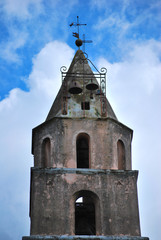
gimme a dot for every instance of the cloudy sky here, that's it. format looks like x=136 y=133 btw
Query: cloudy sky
x=35 y=41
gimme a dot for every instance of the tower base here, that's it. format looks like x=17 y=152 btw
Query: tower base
x=85 y=237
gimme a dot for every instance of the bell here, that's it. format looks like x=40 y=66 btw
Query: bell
x=75 y=88
x=91 y=85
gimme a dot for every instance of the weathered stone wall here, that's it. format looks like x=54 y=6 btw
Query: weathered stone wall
x=54 y=191
x=103 y=133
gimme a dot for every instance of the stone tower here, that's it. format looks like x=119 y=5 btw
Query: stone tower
x=82 y=182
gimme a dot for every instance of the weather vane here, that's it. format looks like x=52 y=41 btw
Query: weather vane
x=78 y=42
x=85 y=41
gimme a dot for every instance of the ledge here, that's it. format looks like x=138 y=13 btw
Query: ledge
x=80 y=237
x=85 y=171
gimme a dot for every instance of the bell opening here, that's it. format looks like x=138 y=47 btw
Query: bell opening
x=92 y=86
x=75 y=88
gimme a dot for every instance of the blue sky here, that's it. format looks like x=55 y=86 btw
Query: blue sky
x=35 y=42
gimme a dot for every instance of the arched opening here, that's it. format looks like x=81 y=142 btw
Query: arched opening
x=85 y=213
x=82 y=146
x=46 y=153
x=121 y=155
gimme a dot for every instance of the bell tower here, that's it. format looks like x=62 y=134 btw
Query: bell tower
x=82 y=182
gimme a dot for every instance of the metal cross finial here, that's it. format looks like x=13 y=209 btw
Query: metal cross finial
x=85 y=41
x=77 y=24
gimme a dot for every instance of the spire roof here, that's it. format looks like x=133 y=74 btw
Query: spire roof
x=85 y=104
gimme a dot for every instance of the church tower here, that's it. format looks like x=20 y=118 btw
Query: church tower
x=82 y=182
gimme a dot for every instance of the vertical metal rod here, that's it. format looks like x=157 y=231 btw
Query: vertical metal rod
x=78 y=27
x=78 y=24
x=83 y=92
x=84 y=42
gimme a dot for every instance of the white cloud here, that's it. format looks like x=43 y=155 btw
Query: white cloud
x=99 y=4
x=47 y=66
x=15 y=18
x=20 y=112
x=8 y=49
x=140 y=68
x=23 y=25
x=22 y=9
x=129 y=20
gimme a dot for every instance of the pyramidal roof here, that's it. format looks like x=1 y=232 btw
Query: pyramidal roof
x=85 y=104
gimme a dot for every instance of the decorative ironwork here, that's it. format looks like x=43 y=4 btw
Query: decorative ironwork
x=64 y=101
x=63 y=70
x=103 y=91
x=100 y=77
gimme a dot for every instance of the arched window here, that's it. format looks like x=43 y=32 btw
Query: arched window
x=82 y=146
x=85 y=217
x=121 y=155
x=46 y=153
